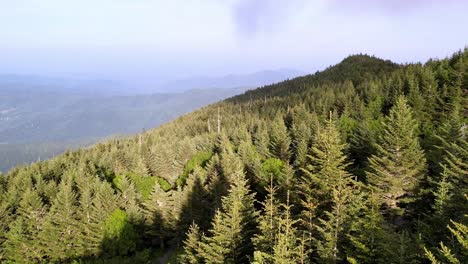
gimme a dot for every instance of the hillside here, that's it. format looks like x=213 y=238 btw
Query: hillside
x=40 y=121
x=364 y=162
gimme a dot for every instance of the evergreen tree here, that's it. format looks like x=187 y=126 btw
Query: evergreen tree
x=159 y=216
x=370 y=238
x=192 y=251
x=280 y=139
x=22 y=243
x=266 y=239
x=58 y=237
x=130 y=199
x=399 y=164
x=233 y=227
x=322 y=176
x=287 y=248
x=334 y=226
x=456 y=255
x=262 y=141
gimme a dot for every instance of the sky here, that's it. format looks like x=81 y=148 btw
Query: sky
x=166 y=40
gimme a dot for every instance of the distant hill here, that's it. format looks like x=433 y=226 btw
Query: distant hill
x=51 y=119
x=246 y=80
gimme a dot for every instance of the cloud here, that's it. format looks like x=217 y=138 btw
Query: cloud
x=251 y=17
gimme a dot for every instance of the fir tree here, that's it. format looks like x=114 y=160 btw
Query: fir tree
x=192 y=251
x=265 y=240
x=286 y=248
x=370 y=237
x=323 y=174
x=58 y=237
x=280 y=139
x=334 y=226
x=399 y=164
x=158 y=215
x=233 y=227
x=22 y=243
x=456 y=255
x=130 y=199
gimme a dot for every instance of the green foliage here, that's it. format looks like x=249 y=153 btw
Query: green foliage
x=399 y=164
x=230 y=238
x=280 y=140
x=199 y=159
x=143 y=184
x=192 y=249
x=448 y=255
x=119 y=234
x=273 y=169
x=165 y=185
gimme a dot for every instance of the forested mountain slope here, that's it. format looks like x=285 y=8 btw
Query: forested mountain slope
x=365 y=162
x=36 y=124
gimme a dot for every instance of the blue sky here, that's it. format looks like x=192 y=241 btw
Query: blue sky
x=176 y=39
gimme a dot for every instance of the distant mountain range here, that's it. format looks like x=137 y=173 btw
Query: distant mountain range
x=255 y=79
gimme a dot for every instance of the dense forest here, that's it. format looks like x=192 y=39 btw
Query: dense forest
x=364 y=162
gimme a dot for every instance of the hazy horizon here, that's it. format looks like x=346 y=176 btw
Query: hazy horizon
x=155 y=42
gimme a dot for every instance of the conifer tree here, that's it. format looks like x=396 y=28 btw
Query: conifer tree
x=399 y=164
x=90 y=236
x=442 y=195
x=265 y=240
x=458 y=253
x=370 y=238
x=5 y=215
x=280 y=139
x=217 y=248
x=58 y=237
x=158 y=215
x=262 y=141
x=334 y=226
x=456 y=164
x=195 y=209
x=323 y=174
x=22 y=241
x=362 y=146
x=229 y=239
x=130 y=199
x=286 y=248
x=192 y=251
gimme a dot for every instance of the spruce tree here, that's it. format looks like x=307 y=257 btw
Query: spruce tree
x=399 y=164
x=229 y=239
x=22 y=243
x=130 y=199
x=192 y=251
x=334 y=226
x=280 y=140
x=287 y=243
x=323 y=174
x=266 y=238
x=371 y=239
x=262 y=141
x=59 y=235
x=458 y=253
x=158 y=216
